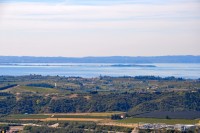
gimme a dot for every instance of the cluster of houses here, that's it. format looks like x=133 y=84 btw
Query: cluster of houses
x=178 y=127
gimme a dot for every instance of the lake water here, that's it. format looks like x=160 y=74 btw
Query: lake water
x=94 y=70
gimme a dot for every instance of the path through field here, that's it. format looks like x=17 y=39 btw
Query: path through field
x=130 y=125
x=66 y=119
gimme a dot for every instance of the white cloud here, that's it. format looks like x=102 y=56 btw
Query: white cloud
x=119 y=29
x=48 y=16
x=85 y=11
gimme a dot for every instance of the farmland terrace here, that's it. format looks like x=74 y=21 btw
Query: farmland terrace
x=138 y=96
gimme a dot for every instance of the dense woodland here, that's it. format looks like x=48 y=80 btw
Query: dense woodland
x=69 y=127
x=127 y=102
x=37 y=94
x=77 y=127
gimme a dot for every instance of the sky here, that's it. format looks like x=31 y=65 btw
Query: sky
x=79 y=28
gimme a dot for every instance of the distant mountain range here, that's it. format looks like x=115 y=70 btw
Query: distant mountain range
x=109 y=59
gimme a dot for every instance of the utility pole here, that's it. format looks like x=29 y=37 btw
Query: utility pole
x=55 y=85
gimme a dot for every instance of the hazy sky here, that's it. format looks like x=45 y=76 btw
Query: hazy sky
x=99 y=27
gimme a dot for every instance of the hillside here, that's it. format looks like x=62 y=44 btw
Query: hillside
x=112 y=59
x=135 y=95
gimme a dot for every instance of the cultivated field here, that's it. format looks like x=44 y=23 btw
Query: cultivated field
x=95 y=117
x=153 y=120
x=20 y=89
x=101 y=118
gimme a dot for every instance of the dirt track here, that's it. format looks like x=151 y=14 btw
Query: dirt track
x=106 y=122
x=90 y=114
x=67 y=119
x=74 y=119
x=119 y=124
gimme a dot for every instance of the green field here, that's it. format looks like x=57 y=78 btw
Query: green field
x=153 y=120
x=27 y=116
x=86 y=115
x=79 y=116
x=67 y=115
x=20 y=89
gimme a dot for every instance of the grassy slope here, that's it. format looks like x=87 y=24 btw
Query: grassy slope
x=67 y=115
x=24 y=116
x=153 y=120
x=20 y=89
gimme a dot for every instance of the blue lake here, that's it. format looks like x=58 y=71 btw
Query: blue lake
x=96 y=69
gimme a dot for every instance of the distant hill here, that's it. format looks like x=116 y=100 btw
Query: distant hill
x=110 y=59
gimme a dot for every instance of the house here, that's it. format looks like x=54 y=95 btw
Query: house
x=123 y=116
x=183 y=128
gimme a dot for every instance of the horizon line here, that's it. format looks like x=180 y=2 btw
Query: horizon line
x=90 y=56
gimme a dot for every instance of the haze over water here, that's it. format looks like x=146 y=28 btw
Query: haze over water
x=183 y=70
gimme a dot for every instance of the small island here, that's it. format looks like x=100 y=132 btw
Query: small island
x=132 y=65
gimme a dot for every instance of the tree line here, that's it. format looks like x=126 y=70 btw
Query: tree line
x=126 y=102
